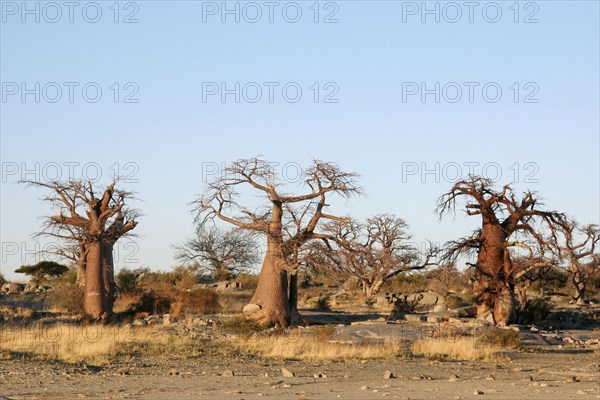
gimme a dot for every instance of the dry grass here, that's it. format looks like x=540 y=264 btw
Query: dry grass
x=466 y=349
x=94 y=344
x=313 y=348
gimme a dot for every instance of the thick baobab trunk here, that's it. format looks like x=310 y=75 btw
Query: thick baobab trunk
x=94 y=302
x=108 y=270
x=270 y=303
x=492 y=290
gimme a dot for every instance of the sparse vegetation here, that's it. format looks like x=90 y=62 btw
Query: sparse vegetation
x=466 y=349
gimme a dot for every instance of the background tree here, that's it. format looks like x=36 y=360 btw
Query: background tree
x=578 y=254
x=374 y=251
x=503 y=219
x=287 y=221
x=90 y=218
x=222 y=254
x=42 y=270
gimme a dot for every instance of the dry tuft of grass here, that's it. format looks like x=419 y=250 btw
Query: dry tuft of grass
x=93 y=344
x=313 y=348
x=467 y=349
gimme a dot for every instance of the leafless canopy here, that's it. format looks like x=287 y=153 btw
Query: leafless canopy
x=291 y=220
x=219 y=252
x=374 y=251
x=520 y=217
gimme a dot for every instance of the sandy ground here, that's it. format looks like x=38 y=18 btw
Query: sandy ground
x=547 y=375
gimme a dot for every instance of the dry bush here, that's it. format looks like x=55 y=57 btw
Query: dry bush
x=198 y=301
x=2 y=279
x=500 y=337
x=242 y=326
x=466 y=349
x=66 y=297
x=324 y=303
x=533 y=310
x=149 y=303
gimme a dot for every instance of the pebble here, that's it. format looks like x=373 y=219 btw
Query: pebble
x=228 y=373
x=287 y=373
x=388 y=375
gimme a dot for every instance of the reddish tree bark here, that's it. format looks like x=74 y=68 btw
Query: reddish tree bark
x=288 y=224
x=502 y=217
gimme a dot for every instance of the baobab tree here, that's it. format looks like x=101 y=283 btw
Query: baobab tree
x=506 y=222
x=374 y=251
x=223 y=254
x=579 y=254
x=287 y=221
x=95 y=222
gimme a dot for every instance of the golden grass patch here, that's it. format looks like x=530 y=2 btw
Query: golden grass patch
x=467 y=349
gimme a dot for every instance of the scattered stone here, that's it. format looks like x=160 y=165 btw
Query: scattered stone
x=572 y=379
x=490 y=377
x=453 y=378
x=320 y=375
x=140 y=322
x=228 y=373
x=533 y=329
x=440 y=308
x=251 y=309
x=478 y=392
x=287 y=373
x=173 y=372
x=388 y=375
x=364 y=387
x=581 y=392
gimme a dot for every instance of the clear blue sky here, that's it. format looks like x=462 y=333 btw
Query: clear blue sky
x=373 y=56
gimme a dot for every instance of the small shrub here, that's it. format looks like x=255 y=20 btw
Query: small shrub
x=403 y=305
x=324 y=303
x=2 y=279
x=150 y=302
x=67 y=297
x=242 y=326
x=533 y=310
x=454 y=301
x=500 y=337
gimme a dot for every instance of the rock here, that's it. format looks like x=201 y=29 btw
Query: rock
x=415 y=317
x=453 y=378
x=166 y=320
x=15 y=287
x=490 y=377
x=533 y=329
x=287 y=373
x=140 y=322
x=487 y=317
x=572 y=379
x=173 y=372
x=428 y=298
x=440 y=308
x=364 y=387
x=388 y=375
x=251 y=309
x=228 y=373
x=478 y=392
x=320 y=375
